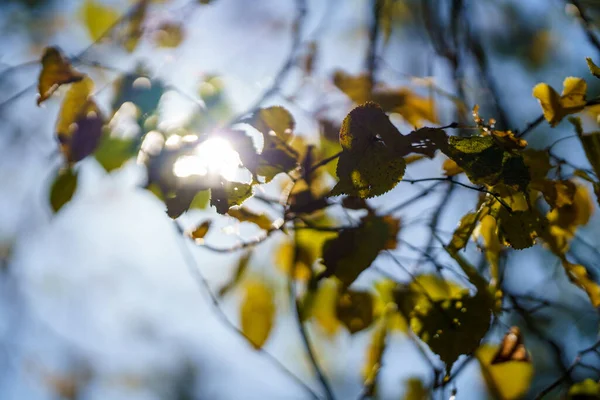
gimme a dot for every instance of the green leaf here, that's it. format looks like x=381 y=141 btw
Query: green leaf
x=355 y=310
x=63 y=188
x=594 y=69
x=113 y=152
x=519 y=229
x=585 y=390
x=229 y=194
x=354 y=249
x=97 y=18
x=486 y=162
x=368 y=165
x=272 y=122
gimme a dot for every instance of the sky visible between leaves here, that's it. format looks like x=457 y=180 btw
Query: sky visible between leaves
x=105 y=281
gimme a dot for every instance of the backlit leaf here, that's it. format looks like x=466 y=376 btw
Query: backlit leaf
x=355 y=310
x=200 y=231
x=97 y=18
x=357 y=88
x=579 y=276
x=354 y=249
x=242 y=214
x=63 y=188
x=451 y=168
x=555 y=106
x=321 y=305
x=274 y=121
x=56 y=71
x=368 y=165
x=257 y=312
x=169 y=35
x=373 y=362
x=463 y=232
x=508 y=380
x=413 y=108
x=134 y=28
x=229 y=194
x=113 y=152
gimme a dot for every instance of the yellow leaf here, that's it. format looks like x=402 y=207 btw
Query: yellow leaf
x=594 y=69
x=353 y=251
x=555 y=106
x=323 y=306
x=385 y=304
x=415 y=390
x=75 y=102
x=257 y=312
x=355 y=310
x=357 y=88
x=586 y=389
x=451 y=168
x=284 y=258
x=488 y=230
x=169 y=35
x=97 y=18
x=463 y=232
x=134 y=29
x=242 y=214
x=56 y=71
x=578 y=275
x=508 y=380
x=374 y=357
x=200 y=231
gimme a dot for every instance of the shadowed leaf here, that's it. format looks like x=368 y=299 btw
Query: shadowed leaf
x=56 y=71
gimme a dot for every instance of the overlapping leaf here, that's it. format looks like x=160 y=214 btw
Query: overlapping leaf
x=354 y=249
x=56 y=71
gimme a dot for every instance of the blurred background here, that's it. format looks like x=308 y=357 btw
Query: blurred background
x=97 y=301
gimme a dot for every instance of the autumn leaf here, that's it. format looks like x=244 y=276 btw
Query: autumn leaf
x=590 y=143
x=594 y=69
x=354 y=249
x=63 y=188
x=168 y=35
x=200 y=231
x=97 y=18
x=242 y=214
x=415 y=390
x=320 y=305
x=579 y=276
x=277 y=125
x=134 y=28
x=257 y=313
x=368 y=165
x=451 y=168
x=56 y=71
x=586 y=389
x=463 y=232
x=555 y=106
x=374 y=357
x=486 y=162
x=229 y=194
x=509 y=380
x=355 y=310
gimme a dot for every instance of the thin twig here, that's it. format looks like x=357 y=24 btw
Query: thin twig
x=214 y=301
x=586 y=22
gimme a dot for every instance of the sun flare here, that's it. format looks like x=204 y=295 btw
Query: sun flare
x=213 y=156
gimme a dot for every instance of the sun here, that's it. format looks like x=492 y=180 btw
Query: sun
x=214 y=156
